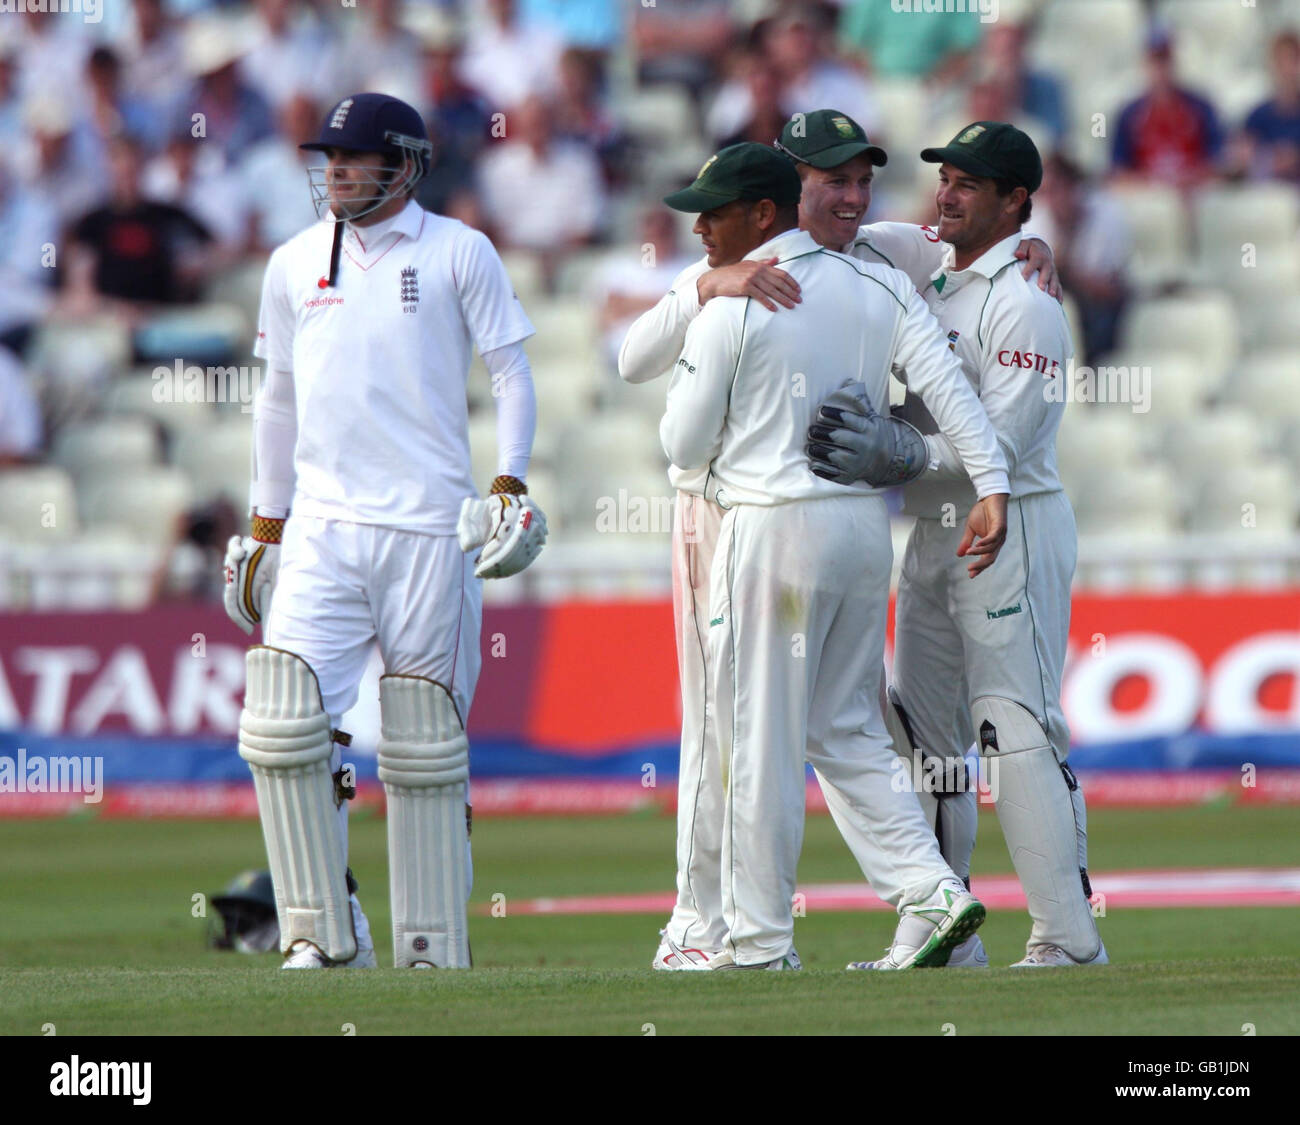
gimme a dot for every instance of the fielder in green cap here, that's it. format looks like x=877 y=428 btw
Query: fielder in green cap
x=987 y=174
x=744 y=194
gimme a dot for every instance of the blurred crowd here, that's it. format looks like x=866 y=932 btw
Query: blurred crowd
x=147 y=154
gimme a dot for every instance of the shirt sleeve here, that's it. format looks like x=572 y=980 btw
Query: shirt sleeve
x=516 y=399
x=275 y=320
x=1026 y=348
x=916 y=250
x=657 y=336
x=275 y=437
x=492 y=312
x=933 y=372
x=691 y=430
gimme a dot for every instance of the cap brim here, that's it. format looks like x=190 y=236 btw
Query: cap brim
x=696 y=200
x=842 y=154
x=962 y=158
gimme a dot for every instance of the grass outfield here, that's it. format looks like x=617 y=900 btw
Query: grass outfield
x=97 y=937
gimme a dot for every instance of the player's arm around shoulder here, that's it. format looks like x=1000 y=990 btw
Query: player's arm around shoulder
x=700 y=387
x=654 y=340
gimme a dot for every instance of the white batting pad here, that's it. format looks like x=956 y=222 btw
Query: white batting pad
x=1037 y=817
x=424 y=764
x=284 y=736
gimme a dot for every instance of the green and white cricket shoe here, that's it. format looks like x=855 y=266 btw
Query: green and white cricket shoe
x=929 y=931
x=1054 y=957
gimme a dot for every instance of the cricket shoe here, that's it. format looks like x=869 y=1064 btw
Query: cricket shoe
x=1053 y=956
x=671 y=957
x=305 y=955
x=929 y=931
x=788 y=961
x=970 y=954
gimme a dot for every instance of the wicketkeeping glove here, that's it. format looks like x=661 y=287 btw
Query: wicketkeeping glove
x=507 y=525
x=252 y=564
x=850 y=441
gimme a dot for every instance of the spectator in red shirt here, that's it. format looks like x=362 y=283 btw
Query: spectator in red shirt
x=1169 y=134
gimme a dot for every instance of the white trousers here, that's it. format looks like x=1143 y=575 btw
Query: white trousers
x=1002 y=634
x=799 y=596
x=343 y=587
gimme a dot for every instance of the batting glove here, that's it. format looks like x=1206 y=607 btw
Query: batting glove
x=508 y=526
x=252 y=565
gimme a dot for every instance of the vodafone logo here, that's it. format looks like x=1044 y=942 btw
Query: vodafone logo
x=1147 y=685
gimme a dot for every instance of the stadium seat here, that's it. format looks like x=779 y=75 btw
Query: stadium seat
x=625 y=502
x=615 y=441
x=1213 y=444
x=1274 y=323
x=1253 y=497
x=1226 y=218
x=661 y=113
x=1268 y=384
x=1070 y=32
x=1202 y=325
x=525 y=274
x=1161 y=238
x=566 y=331
x=1212 y=35
x=209 y=334
x=37 y=504
x=1134 y=500
x=120 y=443
x=139 y=395
x=567 y=391
x=218 y=459
x=1170 y=384
x=144 y=503
x=1094 y=442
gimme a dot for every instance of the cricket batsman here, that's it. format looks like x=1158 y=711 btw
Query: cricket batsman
x=986 y=658
x=367 y=529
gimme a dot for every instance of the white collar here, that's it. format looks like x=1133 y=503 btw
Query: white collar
x=788 y=244
x=987 y=264
x=407 y=221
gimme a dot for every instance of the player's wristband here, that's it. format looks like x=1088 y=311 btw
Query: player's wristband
x=267 y=530
x=512 y=485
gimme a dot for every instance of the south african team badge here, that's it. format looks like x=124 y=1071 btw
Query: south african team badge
x=843 y=126
x=410 y=289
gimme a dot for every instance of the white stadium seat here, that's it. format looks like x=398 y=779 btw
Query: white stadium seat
x=1274 y=323
x=1132 y=500
x=1161 y=239
x=108 y=443
x=144 y=504
x=1268 y=384
x=1228 y=218
x=37 y=504
x=1202 y=325
x=1094 y=442
x=1213 y=444
x=1250 y=498
x=140 y=395
x=218 y=459
x=1071 y=32
x=1160 y=384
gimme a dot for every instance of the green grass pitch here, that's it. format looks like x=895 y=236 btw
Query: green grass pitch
x=97 y=936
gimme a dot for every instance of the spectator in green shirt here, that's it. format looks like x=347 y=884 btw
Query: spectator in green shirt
x=910 y=43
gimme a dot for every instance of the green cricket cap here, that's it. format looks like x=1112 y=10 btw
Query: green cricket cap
x=994 y=150
x=743 y=171
x=827 y=138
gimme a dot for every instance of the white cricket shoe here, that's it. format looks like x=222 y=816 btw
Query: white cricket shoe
x=304 y=955
x=1053 y=956
x=970 y=954
x=786 y=962
x=671 y=957
x=929 y=931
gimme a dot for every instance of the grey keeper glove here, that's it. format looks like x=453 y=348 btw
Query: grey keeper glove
x=850 y=441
